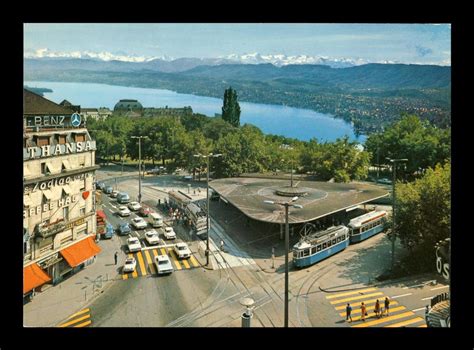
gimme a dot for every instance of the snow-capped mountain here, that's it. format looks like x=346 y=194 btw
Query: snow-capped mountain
x=283 y=60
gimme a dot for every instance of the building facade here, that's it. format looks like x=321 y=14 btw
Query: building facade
x=59 y=221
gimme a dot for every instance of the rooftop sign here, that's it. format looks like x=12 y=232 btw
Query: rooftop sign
x=49 y=121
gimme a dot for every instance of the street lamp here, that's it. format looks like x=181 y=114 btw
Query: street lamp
x=287 y=239
x=199 y=155
x=139 y=165
x=394 y=169
x=288 y=147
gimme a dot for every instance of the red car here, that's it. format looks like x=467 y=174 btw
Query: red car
x=144 y=211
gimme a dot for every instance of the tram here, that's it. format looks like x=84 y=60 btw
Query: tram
x=320 y=245
x=367 y=225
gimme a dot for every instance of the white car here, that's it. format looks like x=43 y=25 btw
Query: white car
x=139 y=223
x=130 y=265
x=163 y=264
x=182 y=251
x=152 y=237
x=134 y=206
x=169 y=233
x=123 y=211
x=134 y=244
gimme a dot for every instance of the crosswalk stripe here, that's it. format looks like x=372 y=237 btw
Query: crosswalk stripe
x=406 y=323
x=350 y=293
x=174 y=258
x=163 y=251
x=423 y=326
x=383 y=320
x=356 y=298
x=88 y=322
x=186 y=264
x=150 y=262
x=141 y=263
x=194 y=261
x=79 y=313
x=75 y=321
x=357 y=310
x=372 y=314
x=124 y=276
x=366 y=302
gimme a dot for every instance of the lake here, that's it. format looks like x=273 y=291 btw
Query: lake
x=302 y=124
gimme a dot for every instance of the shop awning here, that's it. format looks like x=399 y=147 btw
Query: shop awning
x=101 y=214
x=33 y=276
x=80 y=252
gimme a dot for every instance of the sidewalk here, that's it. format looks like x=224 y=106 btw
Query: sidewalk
x=52 y=306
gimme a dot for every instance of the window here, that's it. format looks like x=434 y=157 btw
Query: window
x=313 y=250
x=318 y=248
x=306 y=252
x=338 y=239
x=329 y=243
x=42 y=141
x=324 y=245
x=43 y=168
x=334 y=241
x=82 y=211
x=83 y=185
x=66 y=213
x=80 y=137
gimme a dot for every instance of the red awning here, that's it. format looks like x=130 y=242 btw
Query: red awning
x=101 y=214
x=80 y=252
x=33 y=276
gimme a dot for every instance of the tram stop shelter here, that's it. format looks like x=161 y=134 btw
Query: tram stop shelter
x=319 y=199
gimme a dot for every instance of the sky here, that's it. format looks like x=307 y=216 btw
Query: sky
x=401 y=43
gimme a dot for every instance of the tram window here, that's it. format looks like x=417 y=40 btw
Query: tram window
x=338 y=239
x=329 y=243
x=313 y=250
x=306 y=252
x=318 y=247
x=324 y=245
x=334 y=241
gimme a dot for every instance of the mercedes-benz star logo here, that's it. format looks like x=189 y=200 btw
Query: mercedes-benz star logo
x=75 y=120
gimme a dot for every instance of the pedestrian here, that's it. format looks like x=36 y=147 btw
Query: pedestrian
x=377 y=308
x=387 y=305
x=116 y=257
x=222 y=245
x=363 y=311
x=348 y=312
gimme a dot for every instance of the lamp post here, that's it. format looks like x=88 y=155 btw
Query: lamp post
x=288 y=147
x=199 y=155
x=139 y=165
x=287 y=239
x=394 y=170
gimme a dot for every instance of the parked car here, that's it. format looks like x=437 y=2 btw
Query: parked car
x=152 y=237
x=187 y=177
x=130 y=265
x=114 y=194
x=385 y=181
x=139 y=223
x=182 y=251
x=134 y=206
x=109 y=231
x=123 y=198
x=99 y=185
x=163 y=264
x=124 y=229
x=133 y=244
x=123 y=211
x=108 y=189
x=144 y=211
x=169 y=233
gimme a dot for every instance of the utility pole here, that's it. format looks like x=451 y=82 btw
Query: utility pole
x=139 y=165
x=394 y=170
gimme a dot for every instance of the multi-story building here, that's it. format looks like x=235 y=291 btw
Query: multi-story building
x=59 y=222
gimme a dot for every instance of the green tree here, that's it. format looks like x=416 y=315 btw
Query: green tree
x=231 y=108
x=423 y=210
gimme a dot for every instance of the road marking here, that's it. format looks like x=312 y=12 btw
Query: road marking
x=356 y=298
x=79 y=313
x=194 y=261
x=141 y=263
x=150 y=262
x=163 y=251
x=372 y=314
x=439 y=287
x=74 y=321
x=416 y=285
x=428 y=298
x=88 y=322
x=383 y=320
x=421 y=308
x=350 y=293
x=175 y=260
x=186 y=264
x=423 y=326
x=406 y=323
x=124 y=276
x=368 y=308
x=402 y=295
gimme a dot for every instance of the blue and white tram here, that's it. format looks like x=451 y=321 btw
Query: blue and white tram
x=320 y=245
x=367 y=225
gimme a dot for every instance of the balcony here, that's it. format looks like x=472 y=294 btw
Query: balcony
x=51 y=229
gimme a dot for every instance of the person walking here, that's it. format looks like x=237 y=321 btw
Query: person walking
x=387 y=305
x=222 y=245
x=116 y=257
x=363 y=311
x=348 y=312
x=377 y=309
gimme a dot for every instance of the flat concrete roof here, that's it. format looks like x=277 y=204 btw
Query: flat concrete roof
x=323 y=198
